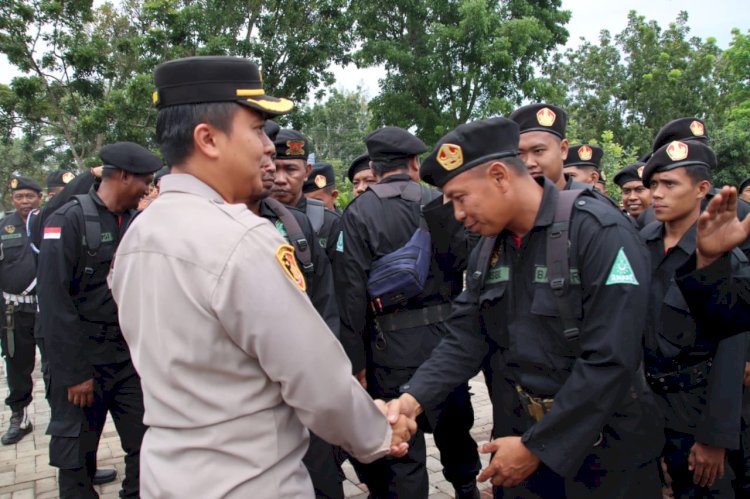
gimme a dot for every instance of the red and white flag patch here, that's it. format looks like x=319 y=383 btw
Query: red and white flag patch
x=52 y=232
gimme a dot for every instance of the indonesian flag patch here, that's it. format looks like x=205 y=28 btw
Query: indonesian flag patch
x=52 y=232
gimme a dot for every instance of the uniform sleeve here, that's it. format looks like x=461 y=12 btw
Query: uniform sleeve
x=278 y=326
x=614 y=310
x=81 y=184
x=61 y=327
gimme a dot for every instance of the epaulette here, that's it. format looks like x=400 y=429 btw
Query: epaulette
x=602 y=212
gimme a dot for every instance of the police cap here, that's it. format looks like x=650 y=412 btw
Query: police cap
x=468 y=146
x=682 y=129
x=59 y=178
x=630 y=173
x=321 y=176
x=272 y=129
x=391 y=145
x=360 y=163
x=291 y=144
x=541 y=118
x=582 y=155
x=19 y=182
x=197 y=80
x=677 y=154
x=130 y=157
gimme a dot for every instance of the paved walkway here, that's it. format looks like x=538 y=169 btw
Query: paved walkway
x=26 y=474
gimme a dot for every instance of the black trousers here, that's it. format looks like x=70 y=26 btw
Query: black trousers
x=324 y=466
x=21 y=365
x=75 y=432
x=676 y=453
x=739 y=460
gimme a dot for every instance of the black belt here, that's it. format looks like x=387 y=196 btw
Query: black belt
x=405 y=319
x=683 y=378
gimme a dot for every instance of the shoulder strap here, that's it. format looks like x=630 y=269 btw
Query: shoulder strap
x=294 y=231
x=315 y=211
x=92 y=238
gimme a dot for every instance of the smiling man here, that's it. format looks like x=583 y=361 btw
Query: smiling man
x=636 y=197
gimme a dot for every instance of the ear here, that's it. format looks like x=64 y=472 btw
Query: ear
x=335 y=194
x=414 y=163
x=497 y=172
x=125 y=177
x=205 y=140
x=308 y=169
x=564 y=146
x=594 y=176
x=704 y=186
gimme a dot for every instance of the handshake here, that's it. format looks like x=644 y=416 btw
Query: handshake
x=402 y=415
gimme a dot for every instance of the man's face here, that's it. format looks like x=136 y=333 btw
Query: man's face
x=635 y=197
x=25 y=200
x=136 y=188
x=543 y=154
x=478 y=202
x=674 y=195
x=287 y=183
x=361 y=180
x=745 y=194
x=583 y=175
x=54 y=191
x=327 y=198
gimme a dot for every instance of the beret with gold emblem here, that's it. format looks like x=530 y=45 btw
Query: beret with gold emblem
x=677 y=154
x=291 y=144
x=468 y=146
x=130 y=157
x=59 y=178
x=197 y=80
x=321 y=176
x=361 y=162
x=583 y=155
x=541 y=118
x=630 y=173
x=19 y=182
x=391 y=146
x=682 y=129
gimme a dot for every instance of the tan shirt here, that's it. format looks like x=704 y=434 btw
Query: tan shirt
x=235 y=362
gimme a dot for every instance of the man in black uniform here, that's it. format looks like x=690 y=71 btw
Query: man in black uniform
x=18 y=284
x=636 y=197
x=56 y=182
x=360 y=174
x=583 y=163
x=567 y=340
x=292 y=150
x=387 y=344
x=697 y=380
x=321 y=185
x=90 y=368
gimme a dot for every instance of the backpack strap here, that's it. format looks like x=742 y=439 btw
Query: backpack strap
x=315 y=211
x=294 y=231
x=92 y=237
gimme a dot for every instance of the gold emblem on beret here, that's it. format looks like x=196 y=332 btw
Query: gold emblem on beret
x=320 y=181
x=697 y=128
x=546 y=116
x=285 y=257
x=585 y=153
x=295 y=147
x=677 y=151
x=14 y=183
x=10 y=229
x=67 y=177
x=640 y=171
x=450 y=156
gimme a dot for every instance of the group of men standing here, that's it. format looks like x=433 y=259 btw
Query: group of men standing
x=242 y=309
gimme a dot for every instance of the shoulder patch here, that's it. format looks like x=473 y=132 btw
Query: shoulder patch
x=340 y=242
x=52 y=232
x=285 y=256
x=621 y=271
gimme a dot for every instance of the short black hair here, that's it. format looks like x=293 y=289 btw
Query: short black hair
x=175 y=125
x=698 y=173
x=515 y=164
x=379 y=168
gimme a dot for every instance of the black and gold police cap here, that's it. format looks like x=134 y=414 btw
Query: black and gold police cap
x=130 y=157
x=197 y=80
x=582 y=155
x=359 y=163
x=19 y=182
x=272 y=129
x=391 y=145
x=682 y=129
x=468 y=146
x=59 y=178
x=541 y=118
x=677 y=154
x=321 y=176
x=291 y=144
x=630 y=173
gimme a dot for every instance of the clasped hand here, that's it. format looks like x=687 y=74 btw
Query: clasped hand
x=403 y=425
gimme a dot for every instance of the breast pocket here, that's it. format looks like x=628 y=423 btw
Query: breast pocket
x=677 y=325
x=12 y=249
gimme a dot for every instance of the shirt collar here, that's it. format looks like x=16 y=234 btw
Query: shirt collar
x=183 y=182
x=546 y=214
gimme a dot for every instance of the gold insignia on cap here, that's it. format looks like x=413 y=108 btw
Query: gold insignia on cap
x=697 y=128
x=10 y=229
x=640 y=171
x=67 y=177
x=546 y=116
x=295 y=147
x=320 y=181
x=14 y=183
x=250 y=92
x=585 y=153
x=450 y=156
x=677 y=151
x=155 y=97
x=285 y=256
x=276 y=106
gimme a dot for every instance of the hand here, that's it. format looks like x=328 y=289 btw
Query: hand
x=706 y=463
x=402 y=429
x=82 y=394
x=406 y=404
x=97 y=171
x=746 y=379
x=512 y=464
x=719 y=229
x=362 y=378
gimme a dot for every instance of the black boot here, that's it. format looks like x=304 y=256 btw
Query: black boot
x=20 y=426
x=104 y=476
x=467 y=491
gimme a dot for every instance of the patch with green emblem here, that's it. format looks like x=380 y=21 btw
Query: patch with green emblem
x=107 y=237
x=282 y=230
x=16 y=235
x=541 y=277
x=498 y=274
x=323 y=242
x=621 y=271
x=340 y=243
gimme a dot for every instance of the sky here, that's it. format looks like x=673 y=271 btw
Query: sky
x=706 y=18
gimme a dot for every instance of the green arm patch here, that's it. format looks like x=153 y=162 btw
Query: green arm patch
x=621 y=271
x=340 y=242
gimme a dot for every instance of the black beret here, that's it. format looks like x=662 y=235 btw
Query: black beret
x=468 y=146
x=59 y=178
x=360 y=163
x=391 y=145
x=683 y=129
x=164 y=170
x=18 y=183
x=290 y=144
x=272 y=129
x=743 y=184
x=541 y=118
x=321 y=176
x=677 y=154
x=196 y=80
x=584 y=155
x=130 y=157
x=630 y=173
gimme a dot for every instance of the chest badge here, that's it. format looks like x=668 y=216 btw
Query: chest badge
x=10 y=229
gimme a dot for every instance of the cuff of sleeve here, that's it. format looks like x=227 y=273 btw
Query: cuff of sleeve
x=729 y=441
x=381 y=451
x=547 y=456
x=711 y=274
